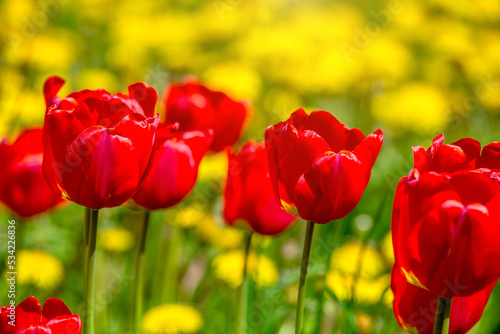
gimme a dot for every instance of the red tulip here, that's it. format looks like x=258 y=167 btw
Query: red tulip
x=29 y=318
x=194 y=106
x=249 y=194
x=415 y=308
x=445 y=220
x=175 y=167
x=22 y=186
x=98 y=146
x=319 y=167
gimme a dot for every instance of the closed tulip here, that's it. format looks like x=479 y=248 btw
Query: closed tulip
x=98 y=146
x=30 y=318
x=415 y=308
x=248 y=194
x=175 y=167
x=445 y=219
x=23 y=188
x=196 y=107
x=319 y=167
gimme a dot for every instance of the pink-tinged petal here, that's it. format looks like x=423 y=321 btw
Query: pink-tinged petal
x=50 y=90
x=415 y=308
x=474 y=187
x=146 y=96
x=65 y=325
x=54 y=307
x=331 y=188
x=368 y=150
x=490 y=157
x=330 y=129
x=28 y=313
x=471 y=148
x=35 y=330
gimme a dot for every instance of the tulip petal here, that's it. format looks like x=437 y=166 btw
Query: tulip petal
x=35 y=330
x=65 y=325
x=54 y=307
x=368 y=149
x=28 y=313
x=331 y=130
x=51 y=88
x=474 y=187
x=146 y=97
x=490 y=157
x=471 y=148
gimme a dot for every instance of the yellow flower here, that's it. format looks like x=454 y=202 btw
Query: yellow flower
x=39 y=268
x=116 y=239
x=234 y=79
x=417 y=106
x=188 y=217
x=172 y=319
x=353 y=256
x=213 y=167
x=366 y=291
x=229 y=268
x=386 y=248
x=95 y=78
x=220 y=236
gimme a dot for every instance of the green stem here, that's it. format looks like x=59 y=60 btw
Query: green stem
x=89 y=322
x=299 y=321
x=244 y=289
x=442 y=321
x=137 y=301
x=86 y=228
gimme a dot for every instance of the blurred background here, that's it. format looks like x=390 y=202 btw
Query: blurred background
x=413 y=68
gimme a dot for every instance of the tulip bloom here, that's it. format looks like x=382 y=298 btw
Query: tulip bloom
x=196 y=107
x=98 y=146
x=249 y=194
x=30 y=318
x=415 y=307
x=445 y=218
x=175 y=167
x=319 y=167
x=22 y=186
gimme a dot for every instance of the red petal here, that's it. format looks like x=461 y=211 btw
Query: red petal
x=35 y=330
x=474 y=187
x=415 y=307
x=471 y=148
x=28 y=313
x=330 y=129
x=368 y=150
x=331 y=188
x=51 y=88
x=54 y=307
x=146 y=96
x=490 y=157
x=65 y=325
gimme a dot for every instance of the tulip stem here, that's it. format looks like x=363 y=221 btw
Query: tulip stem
x=89 y=322
x=140 y=260
x=442 y=321
x=244 y=289
x=299 y=320
x=86 y=227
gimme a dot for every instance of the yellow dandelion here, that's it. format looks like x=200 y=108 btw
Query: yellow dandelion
x=417 y=106
x=116 y=239
x=366 y=291
x=353 y=257
x=188 y=217
x=386 y=248
x=228 y=267
x=172 y=319
x=213 y=167
x=39 y=268
x=95 y=78
x=237 y=80
x=219 y=235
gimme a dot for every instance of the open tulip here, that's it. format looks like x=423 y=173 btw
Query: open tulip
x=445 y=219
x=98 y=146
x=175 y=167
x=319 y=167
x=196 y=107
x=248 y=194
x=30 y=318
x=415 y=307
x=22 y=185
